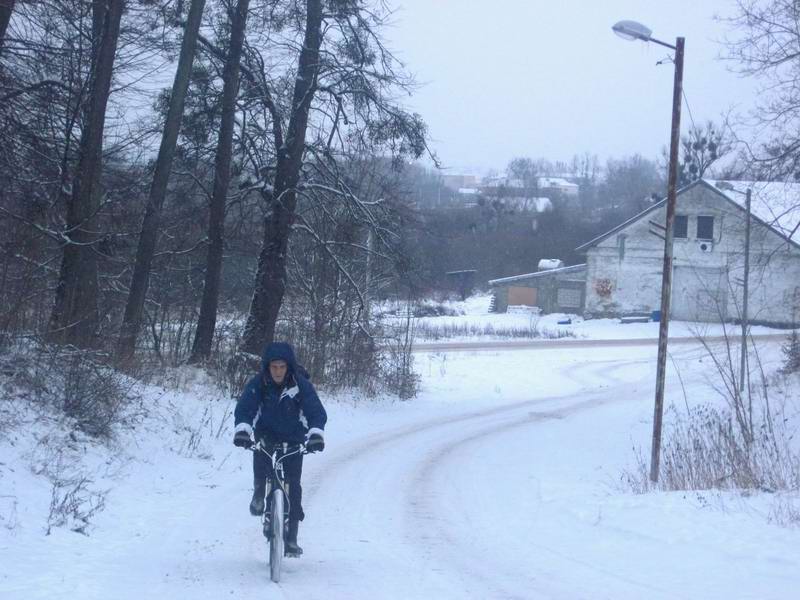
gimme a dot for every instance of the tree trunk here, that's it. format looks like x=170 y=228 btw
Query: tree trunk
x=6 y=8
x=75 y=315
x=147 y=239
x=207 y=320
x=270 y=281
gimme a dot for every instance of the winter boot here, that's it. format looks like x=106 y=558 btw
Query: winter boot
x=257 y=503
x=292 y=549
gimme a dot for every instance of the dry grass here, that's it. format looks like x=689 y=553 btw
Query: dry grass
x=430 y=331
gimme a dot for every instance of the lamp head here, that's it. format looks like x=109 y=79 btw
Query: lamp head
x=631 y=30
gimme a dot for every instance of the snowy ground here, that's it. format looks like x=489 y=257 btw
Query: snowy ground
x=472 y=318
x=502 y=480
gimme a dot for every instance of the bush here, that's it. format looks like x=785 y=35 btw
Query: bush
x=398 y=364
x=437 y=331
x=434 y=309
x=73 y=503
x=791 y=353
x=78 y=384
x=706 y=449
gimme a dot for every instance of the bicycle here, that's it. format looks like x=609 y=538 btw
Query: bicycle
x=275 y=520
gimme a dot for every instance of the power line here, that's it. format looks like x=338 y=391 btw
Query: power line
x=689 y=109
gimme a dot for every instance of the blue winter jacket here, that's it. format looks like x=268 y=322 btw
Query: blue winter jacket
x=281 y=413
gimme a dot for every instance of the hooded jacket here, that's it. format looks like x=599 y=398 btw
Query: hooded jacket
x=283 y=412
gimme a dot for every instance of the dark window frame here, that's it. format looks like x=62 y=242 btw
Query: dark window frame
x=705 y=219
x=677 y=229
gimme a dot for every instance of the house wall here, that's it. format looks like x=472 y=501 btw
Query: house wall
x=624 y=270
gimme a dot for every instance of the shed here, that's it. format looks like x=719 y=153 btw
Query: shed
x=553 y=290
x=462 y=281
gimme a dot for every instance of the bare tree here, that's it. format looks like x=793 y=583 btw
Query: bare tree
x=700 y=149
x=75 y=314
x=341 y=103
x=527 y=172
x=6 y=8
x=765 y=44
x=270 y=284
x=158 y=189
x=630 y=184
x=207 y=319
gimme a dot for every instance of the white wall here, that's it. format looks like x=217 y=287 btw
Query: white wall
x=700 y=278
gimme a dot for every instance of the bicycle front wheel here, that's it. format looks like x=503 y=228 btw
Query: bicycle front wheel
x=276 y=541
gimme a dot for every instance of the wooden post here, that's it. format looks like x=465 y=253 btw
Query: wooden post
x=666 y=276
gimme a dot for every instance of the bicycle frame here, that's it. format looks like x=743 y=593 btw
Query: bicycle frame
x=276 y=513
x=277 y=453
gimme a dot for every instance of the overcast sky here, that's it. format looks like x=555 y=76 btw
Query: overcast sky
x=546 y=78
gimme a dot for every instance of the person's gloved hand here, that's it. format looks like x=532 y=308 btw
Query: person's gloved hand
x=315 y=440
x=242 y=439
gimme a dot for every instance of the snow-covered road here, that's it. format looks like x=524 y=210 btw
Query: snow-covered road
x=512 y=501
x=396 y=536
x=500 y=481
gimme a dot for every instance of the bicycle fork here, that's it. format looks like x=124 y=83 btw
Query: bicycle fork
x=267 y=517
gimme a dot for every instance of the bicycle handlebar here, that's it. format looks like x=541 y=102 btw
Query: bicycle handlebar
x=286 y=448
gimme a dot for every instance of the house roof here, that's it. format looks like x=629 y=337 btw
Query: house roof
x=537 y=274
x=776 y=205
x=556 y=182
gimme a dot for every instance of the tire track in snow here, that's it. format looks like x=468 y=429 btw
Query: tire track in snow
x=372 y=461
x=361 y=489
x=426 y=513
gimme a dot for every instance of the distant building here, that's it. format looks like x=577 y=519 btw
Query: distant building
x=502 y=186
x=560 y=185
x=552 y=290
x=624 y=266
x=457 y=182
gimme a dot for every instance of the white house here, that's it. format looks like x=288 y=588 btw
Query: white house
x=559 y=184
x=624 y=265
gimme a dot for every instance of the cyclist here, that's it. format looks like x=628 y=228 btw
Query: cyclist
x=285 y=408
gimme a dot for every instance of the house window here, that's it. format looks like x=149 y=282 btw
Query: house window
x=705 y=228
x=681 y=227
x=621 y=246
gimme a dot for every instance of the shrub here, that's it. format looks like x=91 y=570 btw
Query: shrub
x=73 y=503
x=791 y=353
x=436 y=331
x=706 y=449
x=78 y=384
x=433 y=309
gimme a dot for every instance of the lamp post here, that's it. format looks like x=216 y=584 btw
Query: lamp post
x=630 y=30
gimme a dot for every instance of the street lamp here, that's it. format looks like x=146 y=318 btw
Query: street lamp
x=631 y=30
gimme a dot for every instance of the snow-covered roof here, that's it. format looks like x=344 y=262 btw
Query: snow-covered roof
x=547 y=273
x=776 y=204
x=556 y=182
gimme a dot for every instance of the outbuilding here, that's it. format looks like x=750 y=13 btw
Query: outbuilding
x=551 y=290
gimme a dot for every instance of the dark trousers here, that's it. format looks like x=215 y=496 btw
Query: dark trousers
x=292 y=470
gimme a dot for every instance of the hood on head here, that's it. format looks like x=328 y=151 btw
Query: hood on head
x=278 y=351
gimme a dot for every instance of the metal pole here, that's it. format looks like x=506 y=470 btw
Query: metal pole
x=666 y=276
x=743 y=364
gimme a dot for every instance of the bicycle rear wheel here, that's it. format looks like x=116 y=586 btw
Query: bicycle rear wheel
x=276 y=541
